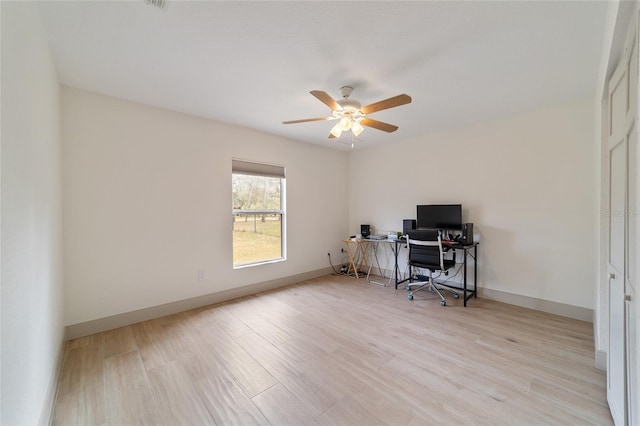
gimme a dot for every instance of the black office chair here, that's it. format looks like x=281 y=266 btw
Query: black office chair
x=425 y=251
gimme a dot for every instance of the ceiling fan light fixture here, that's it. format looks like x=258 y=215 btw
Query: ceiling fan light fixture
x=356 y=128
x=345 y=123
x=336 y=130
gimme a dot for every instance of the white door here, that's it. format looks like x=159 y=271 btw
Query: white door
x=633 y=218
x=616 y=384
x=622 y=145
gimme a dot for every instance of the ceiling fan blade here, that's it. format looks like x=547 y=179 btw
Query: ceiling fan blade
x=386 y=104
x=305 y=120
x=385 y=127
x=326 y=98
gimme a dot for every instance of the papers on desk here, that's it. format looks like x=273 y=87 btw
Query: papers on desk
x=378 y=237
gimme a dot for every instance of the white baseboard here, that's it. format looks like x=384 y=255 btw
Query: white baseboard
x=601 y=360
x=557 y=308
x=46 y=414
x=121 y=320
x=109 y=323
x=565 y=310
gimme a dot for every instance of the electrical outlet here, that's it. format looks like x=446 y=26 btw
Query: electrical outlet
x=200 y=275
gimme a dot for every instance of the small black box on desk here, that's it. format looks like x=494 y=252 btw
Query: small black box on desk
x=408 y=225
x=467 y=234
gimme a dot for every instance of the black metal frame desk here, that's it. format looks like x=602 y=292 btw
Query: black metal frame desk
x=466 y=292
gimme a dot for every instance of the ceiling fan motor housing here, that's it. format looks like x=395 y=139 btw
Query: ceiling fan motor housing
x=349 y=108
x=349 y=105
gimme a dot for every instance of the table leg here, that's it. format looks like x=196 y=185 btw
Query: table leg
x=395 y=265
x=352 y=257
x=465 y=278
x=475 y=271
x=363 y=262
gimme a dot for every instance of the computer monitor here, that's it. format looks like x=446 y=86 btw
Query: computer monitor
x=439 y=216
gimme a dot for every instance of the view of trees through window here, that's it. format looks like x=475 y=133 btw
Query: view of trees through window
x=257 y=218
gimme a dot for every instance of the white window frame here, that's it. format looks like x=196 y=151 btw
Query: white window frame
x=252 y=168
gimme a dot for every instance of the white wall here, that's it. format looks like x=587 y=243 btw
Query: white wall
x=32 y=327
x=526 y=182
x=147 y=203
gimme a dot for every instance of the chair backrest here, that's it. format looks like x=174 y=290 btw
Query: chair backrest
x=425 y=248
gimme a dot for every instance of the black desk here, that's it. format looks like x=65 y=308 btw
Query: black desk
x=466 y=292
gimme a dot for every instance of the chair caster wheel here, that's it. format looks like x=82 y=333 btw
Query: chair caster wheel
x=443 y=303
x=410 y=297
x=408 y=288
x=456 y=296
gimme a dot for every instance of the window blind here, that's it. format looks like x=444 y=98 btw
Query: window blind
x=257 y=169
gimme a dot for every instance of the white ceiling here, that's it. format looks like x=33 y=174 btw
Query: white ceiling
x=253 y=63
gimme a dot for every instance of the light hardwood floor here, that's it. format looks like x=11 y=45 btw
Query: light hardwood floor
x=337 y=350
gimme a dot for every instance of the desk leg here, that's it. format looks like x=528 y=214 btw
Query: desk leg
x=363 y=262
x=464 y=296
x=391 y=274
x=398 y=278
x=375 y=256
x=353 y=268
x=473 y=292
x=395 y=266
x=475 y=272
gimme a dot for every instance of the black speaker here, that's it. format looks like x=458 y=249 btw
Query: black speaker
x=407 y=225
x=467 y=233
x=365 y=230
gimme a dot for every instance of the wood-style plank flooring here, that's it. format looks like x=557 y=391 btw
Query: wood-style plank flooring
x=341 y=351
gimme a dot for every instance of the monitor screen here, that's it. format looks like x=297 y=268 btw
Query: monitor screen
x=439 y=216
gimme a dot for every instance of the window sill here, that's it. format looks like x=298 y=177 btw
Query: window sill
x=262 y=262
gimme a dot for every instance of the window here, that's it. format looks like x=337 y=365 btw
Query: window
x=258 y=213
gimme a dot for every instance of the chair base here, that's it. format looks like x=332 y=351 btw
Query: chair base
x=431 y=285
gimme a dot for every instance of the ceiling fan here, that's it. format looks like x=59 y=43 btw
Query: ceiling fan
x=351 y=115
